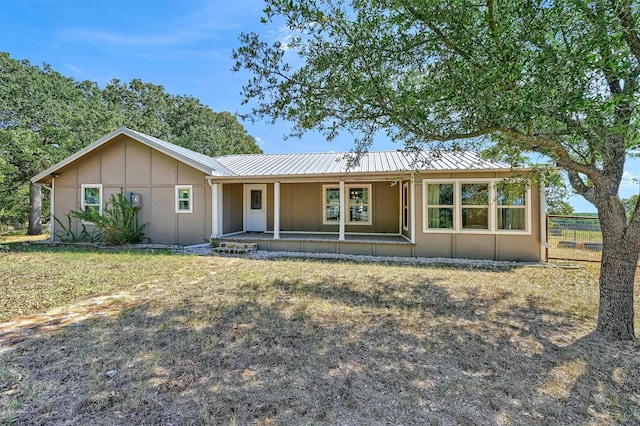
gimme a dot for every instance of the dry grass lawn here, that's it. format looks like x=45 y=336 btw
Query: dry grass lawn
x=240 y=341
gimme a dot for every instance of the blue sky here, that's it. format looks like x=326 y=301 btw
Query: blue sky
x=183 y=45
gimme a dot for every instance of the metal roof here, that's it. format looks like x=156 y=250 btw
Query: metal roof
x=252 y=165
x=370 y=162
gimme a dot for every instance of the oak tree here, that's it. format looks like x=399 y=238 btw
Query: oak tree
x=554 y=77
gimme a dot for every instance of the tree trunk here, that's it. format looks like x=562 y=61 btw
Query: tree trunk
x=617 y=276
x=35 y=209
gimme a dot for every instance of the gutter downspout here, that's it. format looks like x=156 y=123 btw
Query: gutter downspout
x=52 y=222
x=544 y=244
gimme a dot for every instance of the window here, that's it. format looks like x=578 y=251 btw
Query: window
x=475 y=205
x=440 y=205
x=358 y=204
x=184 y=199
x=358 y=197
x=511 y=206
x=256 y=199
x=405 y=206
x=92 y=198
x=470 y=205
x=331 y=204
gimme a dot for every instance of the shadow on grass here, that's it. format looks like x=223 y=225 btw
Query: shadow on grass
x=29 y=247
x=322 y=352
x=410 y=262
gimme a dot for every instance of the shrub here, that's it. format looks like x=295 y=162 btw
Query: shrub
x=66 y=234
x=118 y=223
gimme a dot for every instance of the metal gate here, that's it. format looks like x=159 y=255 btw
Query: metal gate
x=574 y=238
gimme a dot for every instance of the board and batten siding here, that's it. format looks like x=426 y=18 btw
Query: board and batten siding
x=127 y=164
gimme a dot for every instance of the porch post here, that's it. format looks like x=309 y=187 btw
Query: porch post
x=412 y=202
x=342 y=211
x=220 y=210
x=216 y=210
x=276 y=210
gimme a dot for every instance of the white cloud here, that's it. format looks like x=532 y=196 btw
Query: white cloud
x=77 y=71
x=196 y=24
x=629 y=178
x=117 y=38
x=284 y=35
x=259 y=141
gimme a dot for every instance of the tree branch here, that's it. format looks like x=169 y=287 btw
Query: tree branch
x=445 y=40
x=536 y=142
x=581 y=188
x=630 y=33
x=493 y=27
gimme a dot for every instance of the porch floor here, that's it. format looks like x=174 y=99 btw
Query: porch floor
x=291 y=236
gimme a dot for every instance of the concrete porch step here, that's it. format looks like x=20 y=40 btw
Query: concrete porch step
x=232 y=247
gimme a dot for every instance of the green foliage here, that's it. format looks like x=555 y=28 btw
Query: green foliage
x=559 y=78
x=118 y=224
x=45 y=117
x=630 y=205
x=556 y=193
x=66 y=233
x=182 y=120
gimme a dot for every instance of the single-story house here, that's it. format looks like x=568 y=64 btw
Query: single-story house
x=454 y=204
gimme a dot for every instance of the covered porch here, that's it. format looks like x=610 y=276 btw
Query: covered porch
x=371 y=210
x=365 y=215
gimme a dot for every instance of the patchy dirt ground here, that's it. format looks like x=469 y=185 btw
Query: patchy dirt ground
x=207 y=340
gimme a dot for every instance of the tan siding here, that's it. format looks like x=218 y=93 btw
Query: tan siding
x=138 y=157
x=113 y=162
x=286 y=207
x=319 y=247
x=393 y=250
x=164 y=169
x=66 y=200
x=191 y=227
x=125 y=164
x=67 y=176
x=434 y=245
x=270 y=204
x=471 y=246
x=162 y=227
x=359 y=249
x=306 y=207
x=232 y=207
x=187 y=175
x=87 y=171
x=144 y=213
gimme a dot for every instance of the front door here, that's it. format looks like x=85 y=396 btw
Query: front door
x=255 y=207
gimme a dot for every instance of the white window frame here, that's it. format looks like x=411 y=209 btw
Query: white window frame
x=527 y=210
x=493 y=208
x=325 y=205
x=91 y=185
x=178 y=199
x=425 y=206
x=490 y=196
x=347 y=202
x=404 y=210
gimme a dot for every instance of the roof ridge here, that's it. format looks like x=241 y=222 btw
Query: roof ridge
x=350 y=152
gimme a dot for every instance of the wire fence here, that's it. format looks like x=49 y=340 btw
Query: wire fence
x=574 y=238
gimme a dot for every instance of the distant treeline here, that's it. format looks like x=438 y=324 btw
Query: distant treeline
x=45 y=117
